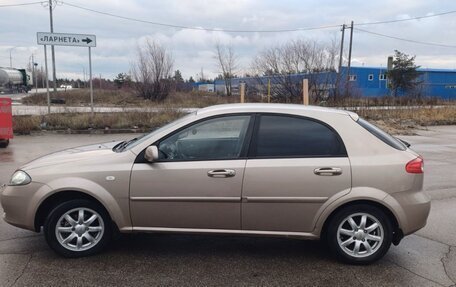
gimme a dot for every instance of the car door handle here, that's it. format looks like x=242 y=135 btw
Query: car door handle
x=328 y=171
x=221 y=173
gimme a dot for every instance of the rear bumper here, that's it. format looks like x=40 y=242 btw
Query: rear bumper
x=411 y=209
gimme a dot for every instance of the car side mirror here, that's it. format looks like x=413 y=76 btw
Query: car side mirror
x=151 y=154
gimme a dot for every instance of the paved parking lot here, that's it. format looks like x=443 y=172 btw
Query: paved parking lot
x=427 y=258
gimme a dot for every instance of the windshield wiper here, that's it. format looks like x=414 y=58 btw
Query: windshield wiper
x=122 y=145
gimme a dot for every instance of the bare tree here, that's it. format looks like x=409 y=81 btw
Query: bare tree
x=227 y=62
x=286 y=65
x=152 y=71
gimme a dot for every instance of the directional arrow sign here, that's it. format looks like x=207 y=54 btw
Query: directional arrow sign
x=63 y=39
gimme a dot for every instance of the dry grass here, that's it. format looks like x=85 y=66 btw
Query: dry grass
x=107 y=98
x=81 y=97
x=142 y=121
x=388 y=101
x=405 y=120
x=197 y=99
x=395 y=121
x=405 y=114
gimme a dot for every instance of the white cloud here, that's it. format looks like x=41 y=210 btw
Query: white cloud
x=193 y=49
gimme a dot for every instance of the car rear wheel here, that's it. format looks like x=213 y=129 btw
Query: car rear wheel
x=78 y=228
x=359 y=234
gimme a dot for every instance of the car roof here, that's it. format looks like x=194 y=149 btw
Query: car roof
x=272 y=108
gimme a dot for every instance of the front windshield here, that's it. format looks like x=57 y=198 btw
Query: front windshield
x=145 y=137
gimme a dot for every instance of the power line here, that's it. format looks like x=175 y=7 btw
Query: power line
x=251 y=31
x=200 y=28
x=407 y=19
x=21 y=4
x=406 y=40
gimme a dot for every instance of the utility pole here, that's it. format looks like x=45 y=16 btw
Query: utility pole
x=341 y=48
x=350 y=51
x=11 y=58
x=341 y=59
x=33 y=72
x=52 y=48
x=42 y=78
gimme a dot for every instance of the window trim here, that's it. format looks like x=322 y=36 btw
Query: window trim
x=243 y=155
x=256 y=128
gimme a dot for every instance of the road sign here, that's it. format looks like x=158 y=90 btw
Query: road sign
x=64 y=39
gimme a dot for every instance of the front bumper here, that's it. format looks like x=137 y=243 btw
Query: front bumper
x=21 y=202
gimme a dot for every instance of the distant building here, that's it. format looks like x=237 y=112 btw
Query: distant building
x=205 y=87
x=372 y=82
x=363 y=81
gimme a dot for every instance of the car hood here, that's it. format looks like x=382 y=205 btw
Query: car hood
x=71 y=155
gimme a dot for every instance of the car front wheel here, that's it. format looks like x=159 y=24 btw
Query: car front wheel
x=359 y=234
x=78 y=228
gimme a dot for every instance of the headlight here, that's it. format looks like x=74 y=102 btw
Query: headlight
x=20 y=178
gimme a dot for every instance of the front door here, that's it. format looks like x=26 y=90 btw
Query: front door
x=294 y=166
x=197 y=182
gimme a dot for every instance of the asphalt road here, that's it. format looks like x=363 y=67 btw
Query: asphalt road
x=427 y=258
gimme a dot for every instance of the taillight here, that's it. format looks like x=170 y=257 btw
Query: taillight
x=415 y=166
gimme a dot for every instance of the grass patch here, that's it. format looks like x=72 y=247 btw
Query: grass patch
x=404 y=114
x=122 y=98
x=142 y=121
x=81 y=97
x=404 y=120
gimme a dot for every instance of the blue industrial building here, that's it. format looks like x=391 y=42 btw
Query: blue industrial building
x=363 y=81
x=372 y=82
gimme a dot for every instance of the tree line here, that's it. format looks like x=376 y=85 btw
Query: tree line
x=153 y=76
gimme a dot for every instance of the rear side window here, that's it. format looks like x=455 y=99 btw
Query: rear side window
x=285 y=136
x=381 y=135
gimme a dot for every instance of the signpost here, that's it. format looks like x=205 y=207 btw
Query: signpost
x=65 y=39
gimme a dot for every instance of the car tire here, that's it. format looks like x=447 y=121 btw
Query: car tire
x=359 y=234
x=4 y=143
x=78 y=228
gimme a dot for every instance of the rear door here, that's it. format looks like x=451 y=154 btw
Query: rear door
x=295 y=164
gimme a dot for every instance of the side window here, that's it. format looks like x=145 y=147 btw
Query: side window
x=381 y=135
x=218 y=138
x=283 y=136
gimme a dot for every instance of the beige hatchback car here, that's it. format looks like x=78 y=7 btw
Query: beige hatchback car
x=247 y=169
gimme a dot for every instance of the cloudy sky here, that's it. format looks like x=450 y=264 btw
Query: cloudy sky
x=193 y=50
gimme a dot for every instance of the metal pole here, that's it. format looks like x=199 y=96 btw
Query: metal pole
x=36 y=79
x=90 y=79
x=47 y=80
x=11 y=58
x=33 y=73
x=52 y=48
